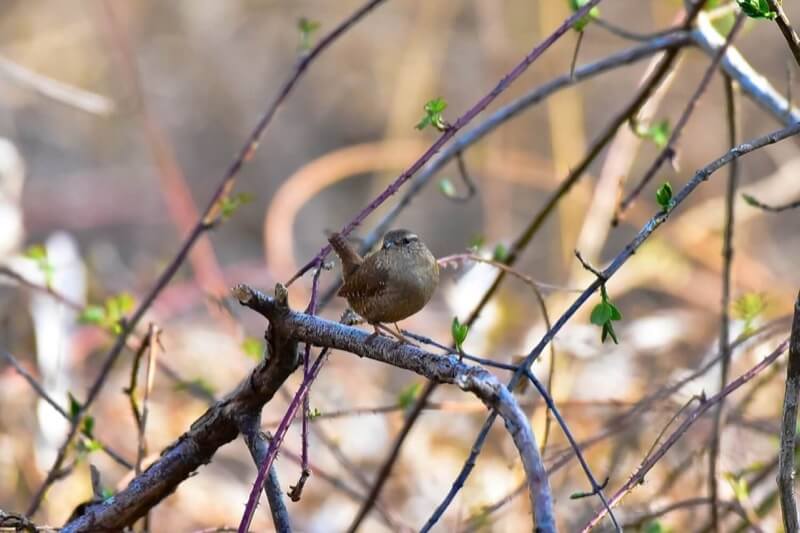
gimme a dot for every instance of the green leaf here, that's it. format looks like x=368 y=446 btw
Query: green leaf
x=87 y=427
x=741 y=489
x=500 y=253
x=74 y=406
x=748 y=307
x=314 y=413
x=459 y=332
x=608 y=331
x=107 y=493
x=477 y=242
x=253 y=348
x=659 y=133
x=601 y=314
x=408 y=395
x=307 y=27
x=615 y=313
x=750 y=200
x=198 y=383
x=757 y=9
x=655 y=527
x=447 y=188
x=664 y=195
x=230 y=204
x=93 y=314
x=584 y=21
x=90 y=446
x=433 y=115
x=36 y=252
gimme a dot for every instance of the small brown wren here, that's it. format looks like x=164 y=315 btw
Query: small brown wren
x=390 y=284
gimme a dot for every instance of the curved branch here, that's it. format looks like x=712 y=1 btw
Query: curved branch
x=439 y=368
x=216 y=427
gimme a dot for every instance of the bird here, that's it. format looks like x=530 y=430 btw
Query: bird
x=390 y=284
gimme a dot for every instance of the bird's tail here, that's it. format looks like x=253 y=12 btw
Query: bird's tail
x=350 y=258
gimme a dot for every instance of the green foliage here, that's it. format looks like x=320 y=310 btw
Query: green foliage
x=604 y=314
x=314 y=413
x=86 y=446
x=38 y=254
x=196 y=383
x=584 y=21
x=253 y=348
x=408 y=395
x=757 y=9
x=307 y=28
x=87 y=427
x=500 y=253
x=110 y=315
x=656 y=526
x=228 y=205
x=664 y=195
x=747 y=308
x=459 y=332
x=447 y=188
x=741 y=490
x=751 y=200
x=433 y=115
x=74 y=406
x=477 y=242
x=480 y=519
x=657 y=133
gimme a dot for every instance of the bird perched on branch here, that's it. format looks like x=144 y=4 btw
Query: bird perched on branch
x=390 y=284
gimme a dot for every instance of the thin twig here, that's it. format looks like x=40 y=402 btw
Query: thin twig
x=770 y=208
x=786 y=29
x=450 y=132
x=786 y=455
x=724 y=332
x=668 y=151
x=257 y=444
x=753 y=84
x=700 y=176
x=500 y=117
x=207 y=220
x=645 y=467
x=37 y=387
x=444 y=369
x=56 y=90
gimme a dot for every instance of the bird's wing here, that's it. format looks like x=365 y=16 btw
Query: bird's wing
x=368 y=280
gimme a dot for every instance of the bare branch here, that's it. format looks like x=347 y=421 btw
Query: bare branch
x=439 y=368
x=753 y=84
x=789 y=34
x=207 y=220
x=724 y=328
x=218 y=426
x=786 y=456
x=690 y=419
x=258 y=446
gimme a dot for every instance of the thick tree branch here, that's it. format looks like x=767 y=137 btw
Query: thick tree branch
x=218 y=426
x=439 y=368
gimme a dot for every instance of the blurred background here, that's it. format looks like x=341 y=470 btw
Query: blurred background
x=119 y=119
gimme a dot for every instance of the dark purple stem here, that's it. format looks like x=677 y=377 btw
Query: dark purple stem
x=277 y=440
x=311 y=310
x=450 y=132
